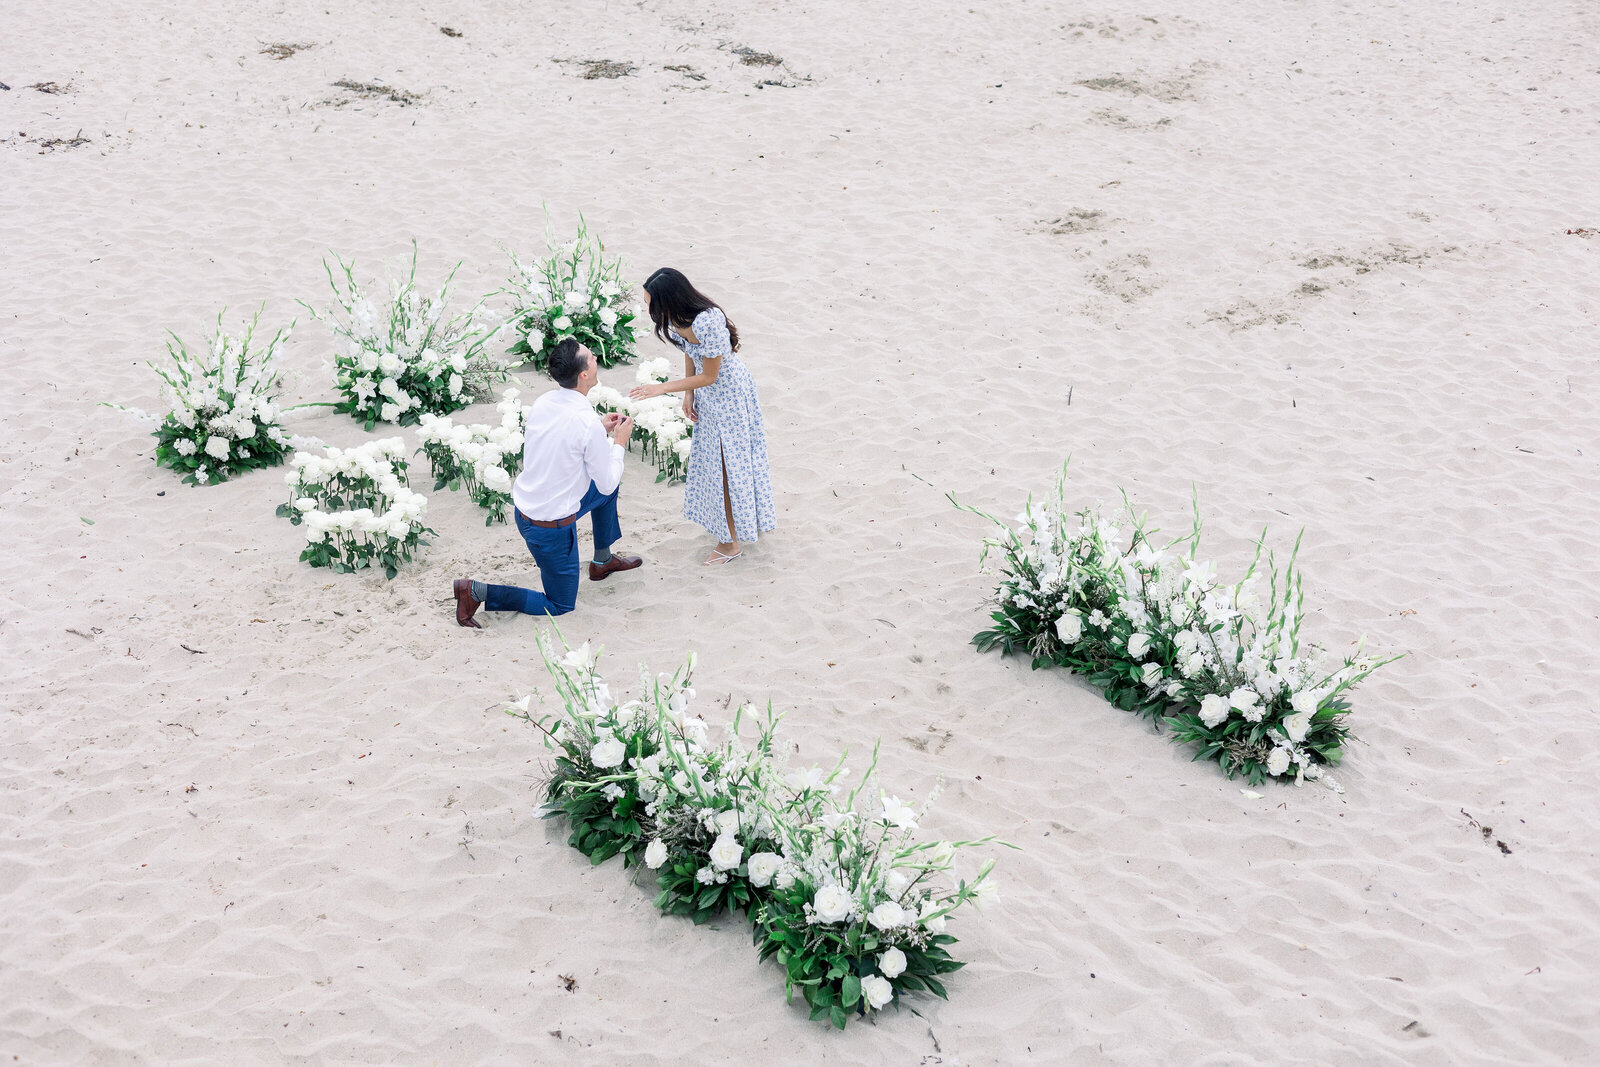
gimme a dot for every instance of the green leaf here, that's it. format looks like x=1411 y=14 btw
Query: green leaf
x=850 y=991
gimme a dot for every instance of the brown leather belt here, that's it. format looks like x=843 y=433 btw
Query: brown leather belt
x=550 y=524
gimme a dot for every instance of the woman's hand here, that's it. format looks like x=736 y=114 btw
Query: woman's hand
x=688 y=406
x=648 y=390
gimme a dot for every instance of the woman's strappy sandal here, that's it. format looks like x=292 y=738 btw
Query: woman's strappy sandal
x=721 y=559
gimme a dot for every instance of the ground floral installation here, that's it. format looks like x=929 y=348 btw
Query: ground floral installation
x=409 y=359
x=834 y=885
x=1154 y=629
x=483 y=459
x=356 y=506
x=571 y=291
x=660 y=427
x=222 y=417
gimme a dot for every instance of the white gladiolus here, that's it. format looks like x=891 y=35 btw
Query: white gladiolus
x=1297 y=725
x=892 y=964
x=898 y=813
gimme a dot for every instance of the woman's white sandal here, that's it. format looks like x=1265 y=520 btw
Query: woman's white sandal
x=721 y=559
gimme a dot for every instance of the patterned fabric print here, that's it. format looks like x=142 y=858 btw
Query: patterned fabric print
x=730 y=428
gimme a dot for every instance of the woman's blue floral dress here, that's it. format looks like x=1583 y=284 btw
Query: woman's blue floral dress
x=729 y=431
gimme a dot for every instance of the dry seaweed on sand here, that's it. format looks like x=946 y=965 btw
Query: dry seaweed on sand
x=53 y=88
x=51 y=144
x=374 y=91
x=450 y=31
x=283 y=51
x=751 y=58
x=687 y=71
x=601 y=68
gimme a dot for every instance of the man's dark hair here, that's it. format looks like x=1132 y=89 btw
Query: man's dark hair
x=567 y=362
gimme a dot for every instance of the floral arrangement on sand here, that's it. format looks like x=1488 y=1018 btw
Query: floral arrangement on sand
x=834 y=883
x=660 y=428
x=357 y=507
x=1151 y=626
x=483 y=459
x=222 y=407
x=573 y=290
x=409 y=358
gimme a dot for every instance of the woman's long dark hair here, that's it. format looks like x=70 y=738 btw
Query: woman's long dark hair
x=674 y=302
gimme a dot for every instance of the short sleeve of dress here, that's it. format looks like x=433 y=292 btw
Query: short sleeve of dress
x=711 y=326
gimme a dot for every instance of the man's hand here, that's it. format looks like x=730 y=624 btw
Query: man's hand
x=622 y=431
x=610 y=419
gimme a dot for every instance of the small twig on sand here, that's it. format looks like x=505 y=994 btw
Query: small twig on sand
x=196 y=651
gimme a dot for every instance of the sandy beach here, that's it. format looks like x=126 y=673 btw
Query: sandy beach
x=1325 y=265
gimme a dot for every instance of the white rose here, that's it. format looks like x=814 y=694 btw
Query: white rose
x=1213 y=709
x=562 y=323
x=217 y=447
x=892 y=963
x=887 y=915
x=1278 y=762
x=1152 y=675
x=931 y=922
x=497 y=479
x=726 y=852
x=1070 y=627
x=832 y=904
x=1306 y=701
x=1244 y=698
x=655 y=854
x=608 y=753
x=1138 y=645
x=1297 y=725
x=388 y=413
x=761 y=868
x=608 y=317
x=877 y=991
x=455 y=385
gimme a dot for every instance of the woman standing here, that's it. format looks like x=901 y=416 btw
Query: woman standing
x=729 y=491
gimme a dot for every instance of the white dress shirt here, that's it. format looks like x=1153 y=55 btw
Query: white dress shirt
x=564 y=450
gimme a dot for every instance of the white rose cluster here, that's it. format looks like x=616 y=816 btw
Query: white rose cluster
x=483 y=459
x=381 y=531
x=664 y=434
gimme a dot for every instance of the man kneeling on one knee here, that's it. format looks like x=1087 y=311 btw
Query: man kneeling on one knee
x=569 y=469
